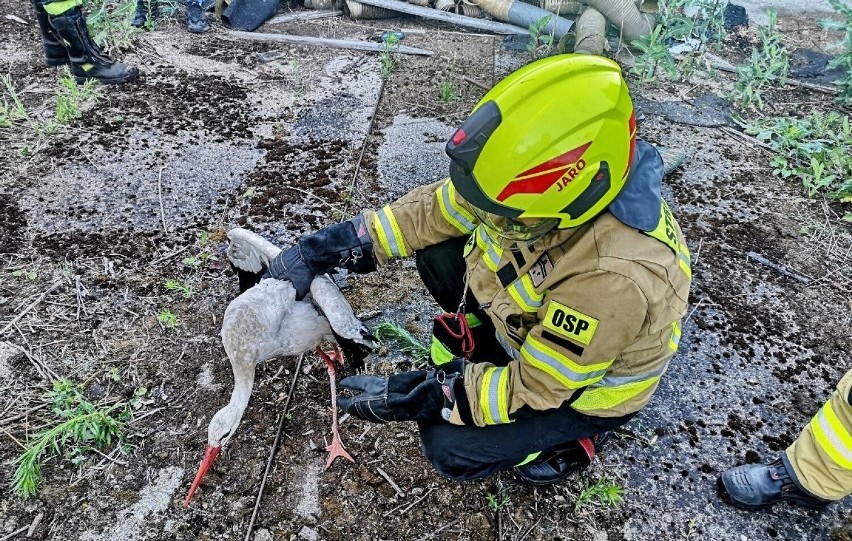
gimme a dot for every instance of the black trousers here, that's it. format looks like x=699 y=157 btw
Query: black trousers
x=471 y=452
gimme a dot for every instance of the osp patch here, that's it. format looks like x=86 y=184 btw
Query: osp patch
x=570 y=323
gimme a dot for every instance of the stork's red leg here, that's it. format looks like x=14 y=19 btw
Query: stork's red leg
x=335 y=449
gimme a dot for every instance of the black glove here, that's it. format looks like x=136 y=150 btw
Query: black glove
x=346 y=244
x=451 y=339
x=421 y=395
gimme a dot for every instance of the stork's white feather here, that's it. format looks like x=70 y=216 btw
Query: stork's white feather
x=249 y=251
x=267 y=322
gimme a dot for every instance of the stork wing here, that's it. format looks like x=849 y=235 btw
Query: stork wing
x=249 y=251
x=340 y=315
x=266 y=321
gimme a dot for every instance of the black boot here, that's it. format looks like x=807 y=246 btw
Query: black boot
x=196 y=18
x=54 y=52
x=87 y=60
x=557 y=464
x=757 y=486
x=145 y=10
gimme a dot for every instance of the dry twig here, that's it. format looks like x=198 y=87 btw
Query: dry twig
x=35 y=303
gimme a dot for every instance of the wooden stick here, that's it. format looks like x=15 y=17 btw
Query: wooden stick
x=745 y=137
x=304 y=16
x=460 y=20
x=354 y=181
x=169 y=255
x=449 y=524
x=160 y=195
x=31 y=306
x=390 y=481
x=13 y=534
x=328 y=42
x=274 y=448
x=8 y=420
x=474 y=82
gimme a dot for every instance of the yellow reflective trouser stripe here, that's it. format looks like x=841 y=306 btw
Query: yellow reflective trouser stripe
x=493 y=395
x=58 y=8
x=523 y=292
x=455 y=214
x=833 y=437
x=389 y=233
x=560 y=367
x=491 y=251
x=674 y=341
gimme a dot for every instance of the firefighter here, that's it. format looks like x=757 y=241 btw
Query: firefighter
x=562 y=272
x=814 y=471
x=66 y=41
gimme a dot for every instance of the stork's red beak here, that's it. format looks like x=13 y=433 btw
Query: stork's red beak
x=210 y=454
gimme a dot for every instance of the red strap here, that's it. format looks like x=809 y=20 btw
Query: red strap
x=463 y=335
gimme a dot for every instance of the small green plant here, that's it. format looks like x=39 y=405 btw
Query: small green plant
x=388 y=330
x=114 y=374
x=495 y=502
x=387 y=60
x=603 y=491
x=447 y=91
x=14 y=111
x=71 y=97
x=109 y=23
x=32 y=276
x=675 y=26
x=541 y=43
x=168 y=319
x=844 y=59
x=82 y=426
x=769 y=66
x=815 y=150
x=183 y=289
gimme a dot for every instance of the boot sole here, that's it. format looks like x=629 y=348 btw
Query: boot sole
x=116 y=81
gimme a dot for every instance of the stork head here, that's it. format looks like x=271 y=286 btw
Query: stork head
x=220 y=430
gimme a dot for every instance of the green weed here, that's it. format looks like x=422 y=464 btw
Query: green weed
x=447 y=91
x=388 y=330
x=183 y=289
x=844 y=59
x=14 y=111
x=674 y=25
x=540 y=44
x=386 y=59
x=168 y=319
x=495 y=503
x=603 y=491
x=32 y=276
x=109 y=23
x=71 y=97
x=769 y=66
x=82 y=426
x=816 y=150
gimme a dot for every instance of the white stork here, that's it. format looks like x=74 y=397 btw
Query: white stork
x=266 y=321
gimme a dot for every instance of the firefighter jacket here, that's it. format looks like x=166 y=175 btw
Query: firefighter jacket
x=821 y=457
x=592 y=313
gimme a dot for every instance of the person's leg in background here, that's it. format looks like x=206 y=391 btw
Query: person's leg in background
x=196 y=18
x=63 y=25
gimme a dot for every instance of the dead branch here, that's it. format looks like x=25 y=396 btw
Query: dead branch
x=439 y=530
x=328 y=42
x=274 y=448
x=160 y=196
x=304 y=16
x=474 y=82
x=354 y=181
x=780 y=269
x=35 y=303
x=390 y=481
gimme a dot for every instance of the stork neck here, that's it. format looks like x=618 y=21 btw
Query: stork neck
x=243 y=383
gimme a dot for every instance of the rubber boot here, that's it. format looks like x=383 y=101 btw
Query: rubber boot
x=758 y=486
x=196 y=18
x=145 y=10
x=557 y=464
x=54 y=52
x=87 y=60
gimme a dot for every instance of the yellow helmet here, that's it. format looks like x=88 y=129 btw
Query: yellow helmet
x=551 y=143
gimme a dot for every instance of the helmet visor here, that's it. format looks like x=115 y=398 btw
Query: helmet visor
x=515 y=230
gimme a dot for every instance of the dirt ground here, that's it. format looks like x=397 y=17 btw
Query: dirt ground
x=141 y=188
